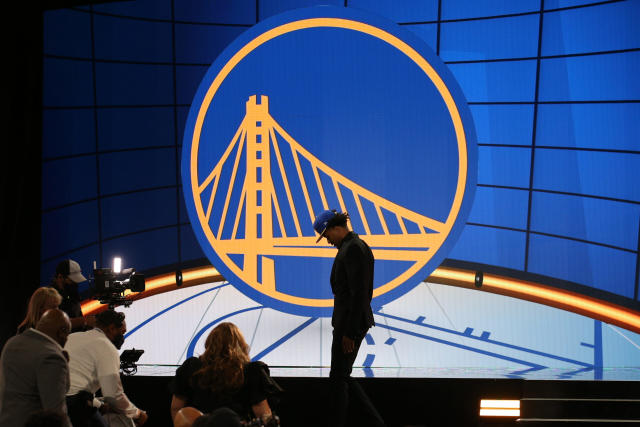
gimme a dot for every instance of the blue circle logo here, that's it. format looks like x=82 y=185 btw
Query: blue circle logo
x=326 y=108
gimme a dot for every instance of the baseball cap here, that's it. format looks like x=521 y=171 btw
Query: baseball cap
x=71 y=269
x=322 y=221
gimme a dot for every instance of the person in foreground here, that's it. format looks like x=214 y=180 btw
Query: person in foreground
x=352 y=286
x=224 y=377
x=41 y=300
x=95 y=365
x=35 y=374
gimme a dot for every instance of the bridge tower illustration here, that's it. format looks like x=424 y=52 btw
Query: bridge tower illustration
x=279 y=223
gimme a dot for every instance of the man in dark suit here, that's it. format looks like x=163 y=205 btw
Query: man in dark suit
x=352 y=286
x=34 y=372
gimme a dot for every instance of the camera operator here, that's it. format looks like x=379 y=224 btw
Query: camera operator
x=68 y=275
x=94 y=364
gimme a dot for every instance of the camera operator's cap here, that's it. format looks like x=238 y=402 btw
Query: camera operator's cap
x=322 y=221
x=71 y=269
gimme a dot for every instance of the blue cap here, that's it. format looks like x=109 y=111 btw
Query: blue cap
x=320 y=224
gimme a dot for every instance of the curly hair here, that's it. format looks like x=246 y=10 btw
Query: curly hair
x=41 y=298
x=225 y=356
x=339 y=219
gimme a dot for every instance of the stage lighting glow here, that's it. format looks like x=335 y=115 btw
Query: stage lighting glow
x=499 y=408
x=162 y=283
x=117 y=265
x=542 y=294
x=530 y=291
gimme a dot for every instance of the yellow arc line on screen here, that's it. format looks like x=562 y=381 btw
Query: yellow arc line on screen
x=530 y=291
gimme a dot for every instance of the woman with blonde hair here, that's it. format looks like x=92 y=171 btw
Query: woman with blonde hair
x=224 y=376
x=43 y=299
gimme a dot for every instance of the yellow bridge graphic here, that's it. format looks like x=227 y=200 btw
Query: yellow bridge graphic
x=258 y=139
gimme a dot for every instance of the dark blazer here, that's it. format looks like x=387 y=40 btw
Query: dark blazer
x=352 y=286
x=34 y=376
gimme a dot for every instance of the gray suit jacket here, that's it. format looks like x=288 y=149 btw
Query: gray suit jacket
x=34 y=375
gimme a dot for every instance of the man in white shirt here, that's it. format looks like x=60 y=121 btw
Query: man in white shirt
x=94 y=364
x=34 y=375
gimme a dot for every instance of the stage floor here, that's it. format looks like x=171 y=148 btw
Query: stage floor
x=434 y=331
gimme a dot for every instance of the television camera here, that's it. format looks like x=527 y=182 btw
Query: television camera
x=110 y=284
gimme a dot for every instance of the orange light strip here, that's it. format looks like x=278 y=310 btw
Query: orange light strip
x=499 y=408
x=529 y=291
x=499 y=412
x=535 y=292
x=160 y=284
x=504 y=404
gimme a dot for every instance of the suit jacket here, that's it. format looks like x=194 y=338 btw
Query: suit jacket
x=352 y=286
x=34 y=376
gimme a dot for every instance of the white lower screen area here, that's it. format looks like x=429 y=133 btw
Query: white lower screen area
x=432 y=331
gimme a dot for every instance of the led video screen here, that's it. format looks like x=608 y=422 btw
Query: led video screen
x=552 y=92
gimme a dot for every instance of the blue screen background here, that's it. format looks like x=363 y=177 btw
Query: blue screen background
x=553 y=88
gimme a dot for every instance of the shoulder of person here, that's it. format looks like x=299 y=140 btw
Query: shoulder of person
x=189 y=366
x=36 y=337
x=256 y=367
x=355 y=247
x=193 y=362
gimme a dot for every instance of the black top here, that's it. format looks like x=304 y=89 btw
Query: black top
x=70 y=300
x=352 y=286
x=258 y=386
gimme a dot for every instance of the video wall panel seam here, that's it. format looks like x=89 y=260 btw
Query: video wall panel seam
x=557 y=147
x=109 y=151
x=140 y=18
x=114 y=106
x=533 y=137
x=454 y=62
x=439 y=27
x=175 y=132
x=614 y=101
x=258 y=9
x=115 y=237
x=530 y=58
x=96 y=127
x=512 y=15
x=559 y=236
x=541 y=190
x=593 y=101
x=105 y=196
x=124 y=61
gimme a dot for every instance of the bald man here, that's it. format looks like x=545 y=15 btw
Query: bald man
x=34 y=374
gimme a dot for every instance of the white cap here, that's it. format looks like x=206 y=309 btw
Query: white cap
x=71 y=269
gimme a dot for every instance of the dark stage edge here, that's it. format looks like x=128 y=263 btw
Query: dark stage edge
x=443 y=401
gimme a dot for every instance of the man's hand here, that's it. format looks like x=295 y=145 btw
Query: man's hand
x=348 y=344
x=142 y=418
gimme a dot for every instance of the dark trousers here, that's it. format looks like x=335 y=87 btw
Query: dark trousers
x=345 y=391
x=81 y=411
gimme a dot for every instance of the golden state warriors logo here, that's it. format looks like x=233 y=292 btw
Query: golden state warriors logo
x=326 y=108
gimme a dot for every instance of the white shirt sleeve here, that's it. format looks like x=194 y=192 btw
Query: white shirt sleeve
x=109 y=378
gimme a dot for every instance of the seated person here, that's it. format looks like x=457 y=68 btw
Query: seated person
x=94 y=364
x=41 y=300
x=224 y=376
x=34 y=374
